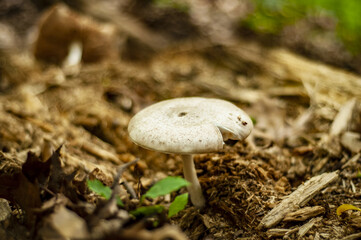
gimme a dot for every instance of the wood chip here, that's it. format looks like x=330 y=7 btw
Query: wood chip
x=352 y=160
x=343 y=118
x=352 y=236
x=356 y=222
x=306 y=227
x=297 y=199
x=304 y=213
x=42 y=124
x=101 y=153
x=87 y=166
x=324 y=84
x=351 y=141
x=317 y=236
x=277 y=232
x=280 y=232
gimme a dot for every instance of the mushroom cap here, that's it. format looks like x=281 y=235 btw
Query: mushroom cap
x=189 y=125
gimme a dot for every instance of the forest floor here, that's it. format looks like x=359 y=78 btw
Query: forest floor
x=60 y=126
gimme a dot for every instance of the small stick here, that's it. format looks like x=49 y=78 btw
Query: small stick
x=129 y=188
x=110 y=206
x=304 y=193
x=120 y=171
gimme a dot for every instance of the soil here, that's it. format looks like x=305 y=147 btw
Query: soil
x=60 y=126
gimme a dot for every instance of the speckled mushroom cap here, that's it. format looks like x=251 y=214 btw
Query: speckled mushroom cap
x=189 y=125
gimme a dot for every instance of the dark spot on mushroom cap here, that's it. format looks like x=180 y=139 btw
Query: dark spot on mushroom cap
x=182 y=114
x=244 y=123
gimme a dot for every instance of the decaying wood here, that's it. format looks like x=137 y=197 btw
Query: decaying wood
x=344 y=130
x=332 y=86
x=298 y=198
x=99 y=152
x=304 y=213
x=301 y=231
x=317 y=236
x=352 y=237
x=343 y=118
x=356 y=222
x=325 y=85
x=280 y=232
x=307 y=226
x=319 y=164
x=87 y=166
x=351 y=141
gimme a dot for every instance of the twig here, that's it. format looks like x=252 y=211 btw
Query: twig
x=352 y=236
x=304 y=213
x=129 y=188
x=307 y=226
x=111 y=206
x=298 y=198
x=120 y=171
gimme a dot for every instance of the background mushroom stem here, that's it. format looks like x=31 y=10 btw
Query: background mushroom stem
x=194 y=189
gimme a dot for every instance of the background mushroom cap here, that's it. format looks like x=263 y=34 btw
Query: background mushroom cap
x=189 y=125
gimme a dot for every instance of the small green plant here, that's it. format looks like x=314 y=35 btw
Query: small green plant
x=104 y=191
x=175 y=4
x=271 y=16
x=178 y=204
x=161 y=188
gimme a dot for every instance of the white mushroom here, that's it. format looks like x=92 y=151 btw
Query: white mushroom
x=188 y=126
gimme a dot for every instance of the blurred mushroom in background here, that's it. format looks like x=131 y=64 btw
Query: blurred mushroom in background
x=65 y=37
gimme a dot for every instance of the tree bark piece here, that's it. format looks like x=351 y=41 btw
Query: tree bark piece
x=280 y=232
x=352 y=237
x=307 y=226
x=297 y=199
x=304 y=213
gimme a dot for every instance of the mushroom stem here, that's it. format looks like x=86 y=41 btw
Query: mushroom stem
x=194 y=189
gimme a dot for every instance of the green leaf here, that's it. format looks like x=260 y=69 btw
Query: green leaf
x=271 y=16
x=155 y=223
x=98 y=187
x=147 y=210
x=104 y=191
x=175 y=4
x=165 y=186
x=119 y=201
x=178 y=204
